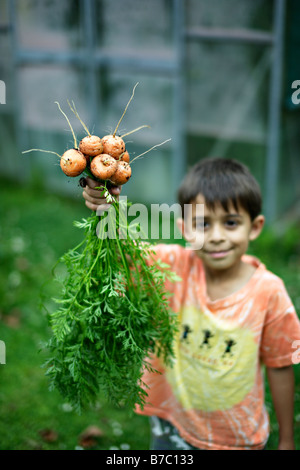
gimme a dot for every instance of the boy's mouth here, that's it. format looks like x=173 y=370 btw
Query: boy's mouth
x=218 y=254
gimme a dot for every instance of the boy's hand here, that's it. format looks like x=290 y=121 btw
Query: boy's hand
x=94 y=198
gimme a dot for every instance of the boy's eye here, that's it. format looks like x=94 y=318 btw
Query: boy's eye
x=201 y=224
x=231 y=223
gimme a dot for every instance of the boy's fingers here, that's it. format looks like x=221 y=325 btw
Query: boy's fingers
x=99 y=209
x=115 y=190
x=96 y=193
x=93 y=197
x=92 y=185
x=91 y=206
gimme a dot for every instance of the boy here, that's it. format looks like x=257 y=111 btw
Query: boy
x=234 y=316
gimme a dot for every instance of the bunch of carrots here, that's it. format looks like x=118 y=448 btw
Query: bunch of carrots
x=113 y=311
x=104 y=159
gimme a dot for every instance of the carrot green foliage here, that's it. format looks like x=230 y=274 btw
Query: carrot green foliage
x=112 y=314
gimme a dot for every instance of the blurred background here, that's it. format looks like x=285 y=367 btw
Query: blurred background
x=214 y=77
x=217 y=84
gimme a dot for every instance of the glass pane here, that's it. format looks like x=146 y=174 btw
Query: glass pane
x=40 y=88
x=289 y=169
x=254 y=14
x=130 y=26
x=6 y=74
x=48 y=25
x=3 y=13
x=227 y=91
x=6 y=65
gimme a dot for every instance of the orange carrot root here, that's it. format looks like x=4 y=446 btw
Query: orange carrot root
x=113 y=145
x=122 y=174
x=103 y=166
x=73 y=162
x=124 y=157
x=91 y=145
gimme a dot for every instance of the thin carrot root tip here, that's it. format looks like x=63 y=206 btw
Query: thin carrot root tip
x=74 y=137
x=74 y=110
x=135 y=130
x=41 y=150
x=116 y=129
x=149 y=150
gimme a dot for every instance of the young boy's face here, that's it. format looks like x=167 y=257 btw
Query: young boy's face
x=226 y=235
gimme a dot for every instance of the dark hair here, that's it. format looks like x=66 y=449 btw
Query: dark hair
x=222 y=181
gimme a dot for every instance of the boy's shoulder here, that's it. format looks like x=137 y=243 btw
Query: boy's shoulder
x=266 y=284
x=263 y=272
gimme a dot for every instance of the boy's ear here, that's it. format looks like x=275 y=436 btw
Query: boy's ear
x=257 y=226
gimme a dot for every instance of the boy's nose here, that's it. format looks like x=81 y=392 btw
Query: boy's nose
x=217 y=234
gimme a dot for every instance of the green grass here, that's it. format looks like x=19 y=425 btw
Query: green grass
x=36 y=229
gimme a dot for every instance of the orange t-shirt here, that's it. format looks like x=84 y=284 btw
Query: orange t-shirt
x=214 y=393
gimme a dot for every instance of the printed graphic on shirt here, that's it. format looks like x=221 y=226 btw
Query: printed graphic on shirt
x=223 y=354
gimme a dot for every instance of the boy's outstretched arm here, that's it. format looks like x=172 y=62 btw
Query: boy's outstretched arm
x=282 y=386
